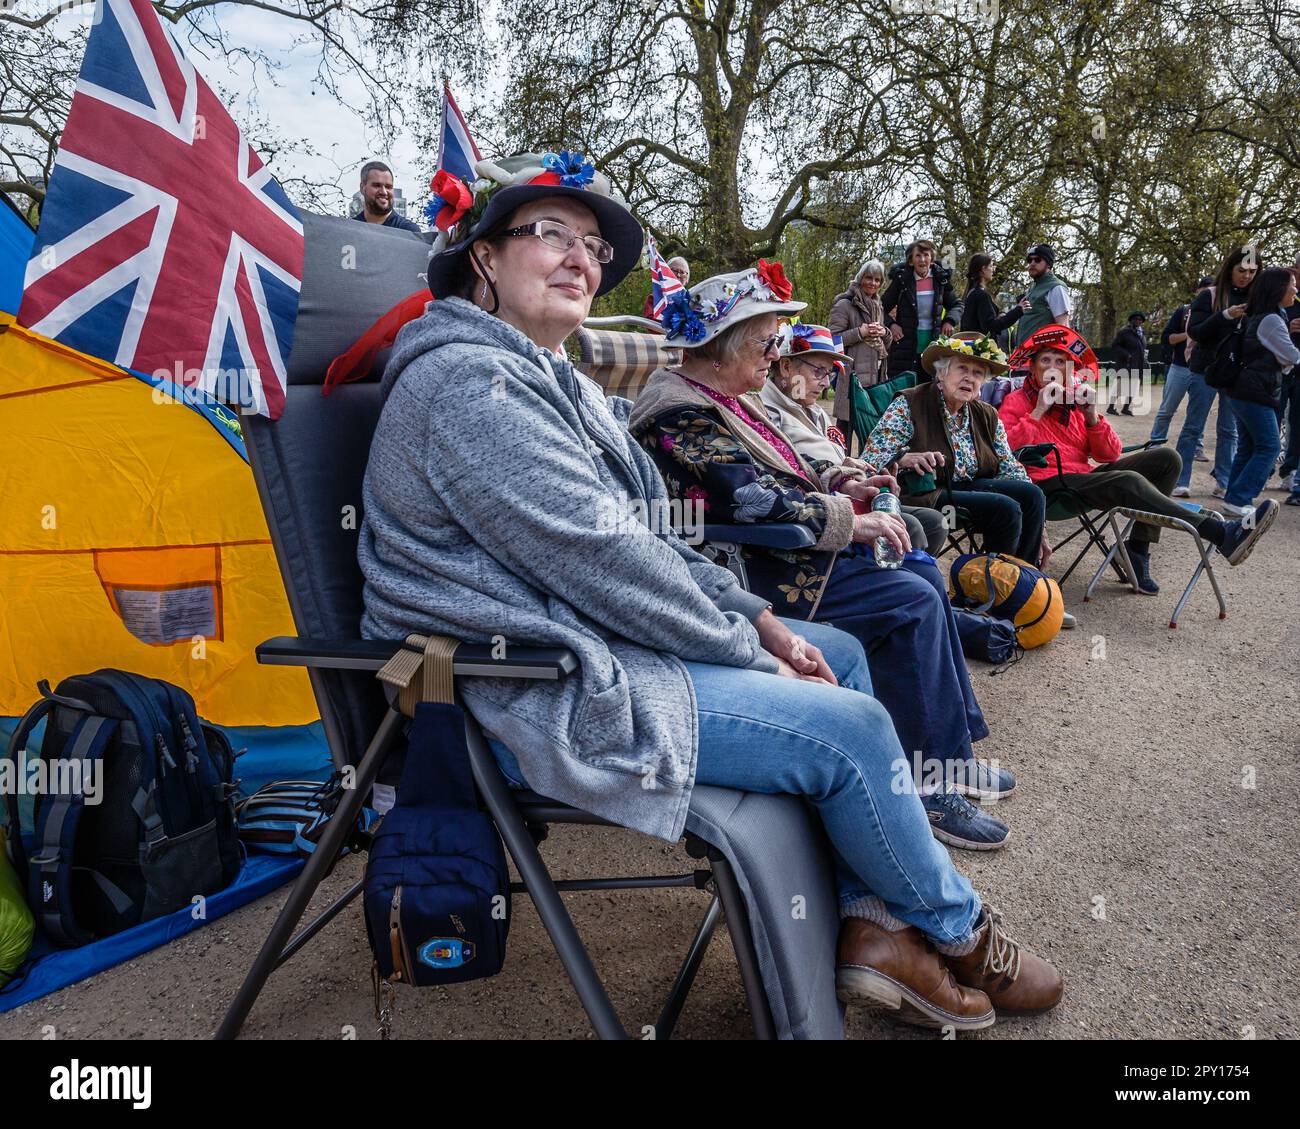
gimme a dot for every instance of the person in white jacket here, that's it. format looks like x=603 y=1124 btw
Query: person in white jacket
x=809 y=358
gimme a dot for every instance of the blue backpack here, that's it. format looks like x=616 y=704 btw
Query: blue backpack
x=135 y=813
x=288 y=817
x=437 y=890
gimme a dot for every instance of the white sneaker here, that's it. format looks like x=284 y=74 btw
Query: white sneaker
x=1238 y=512
x=1218 y=491
x=1181 y=492
x=1287 y=482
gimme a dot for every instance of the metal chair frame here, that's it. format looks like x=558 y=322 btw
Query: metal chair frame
x=1118 y=551
x=1069 y=503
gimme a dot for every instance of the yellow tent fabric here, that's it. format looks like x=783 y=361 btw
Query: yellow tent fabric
x=131 y=536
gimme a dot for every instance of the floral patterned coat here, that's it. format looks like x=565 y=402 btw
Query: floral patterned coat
x=709 y=455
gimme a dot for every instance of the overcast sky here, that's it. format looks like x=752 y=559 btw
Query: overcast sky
x=293 y=102
x=297 y=107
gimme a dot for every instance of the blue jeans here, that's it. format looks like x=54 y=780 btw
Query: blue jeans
x=836 y=746
x=1177 y=380
x=1258 y=444
x=1200 y=399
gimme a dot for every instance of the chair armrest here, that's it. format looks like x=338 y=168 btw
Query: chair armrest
x=779 y=535
x=1143 y=446
x=634 y=321
x=472 y=659
x=1040 y=450
x=1034 y=455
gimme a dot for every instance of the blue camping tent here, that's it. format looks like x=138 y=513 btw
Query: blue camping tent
x=16 y=239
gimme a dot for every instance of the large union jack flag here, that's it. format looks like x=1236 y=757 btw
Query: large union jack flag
x=165 y=245
x=663 y=283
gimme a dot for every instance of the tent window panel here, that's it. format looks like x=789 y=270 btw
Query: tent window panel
x=165 y=595
x=172 y=615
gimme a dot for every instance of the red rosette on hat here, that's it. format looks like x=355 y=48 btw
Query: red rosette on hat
x=773 y=275
x=451 y=197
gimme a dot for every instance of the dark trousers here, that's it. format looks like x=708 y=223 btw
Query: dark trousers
x=1007 y=514
x=1142 y=481
x=1127 y=382
x=1291 y=460
x=904 y=621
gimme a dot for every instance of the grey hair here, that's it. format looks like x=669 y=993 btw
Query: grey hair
x=679 y=259
x=871 y=266
x=727 y=345
x=941 y=365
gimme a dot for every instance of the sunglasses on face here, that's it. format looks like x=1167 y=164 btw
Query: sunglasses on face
x=767 y=343
x=556 y=235
x=1033 y=258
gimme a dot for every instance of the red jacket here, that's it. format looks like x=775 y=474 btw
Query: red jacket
x=1076 y=441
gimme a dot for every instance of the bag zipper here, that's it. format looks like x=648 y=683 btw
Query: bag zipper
x=402 y=965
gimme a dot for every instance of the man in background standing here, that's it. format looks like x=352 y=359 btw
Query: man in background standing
x=1049 y=301
x=1129 y=355
x=377 y=198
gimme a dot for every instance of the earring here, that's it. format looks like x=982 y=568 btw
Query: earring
x=717 y=366
x=482 y=294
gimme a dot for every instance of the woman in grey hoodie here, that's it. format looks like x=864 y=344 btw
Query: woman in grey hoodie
x=505 y=501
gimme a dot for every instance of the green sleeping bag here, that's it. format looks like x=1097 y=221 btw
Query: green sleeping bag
x=17 y=926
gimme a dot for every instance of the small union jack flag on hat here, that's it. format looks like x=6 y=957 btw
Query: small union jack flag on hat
x=663 y=283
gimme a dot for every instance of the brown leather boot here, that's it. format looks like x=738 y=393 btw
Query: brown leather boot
x=1017 y=982
x=903 y=972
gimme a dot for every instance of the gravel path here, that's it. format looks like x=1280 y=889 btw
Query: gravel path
x=1152 y=856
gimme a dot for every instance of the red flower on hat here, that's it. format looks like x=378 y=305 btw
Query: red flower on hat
x=774 y=275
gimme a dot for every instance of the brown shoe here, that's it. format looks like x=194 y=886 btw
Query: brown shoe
x=903 y=972
x=1017 y=982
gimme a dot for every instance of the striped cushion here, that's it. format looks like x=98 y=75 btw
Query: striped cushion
x=620 y=362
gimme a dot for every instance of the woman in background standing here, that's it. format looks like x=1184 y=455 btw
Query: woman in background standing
x=858 y=319
x=979 y=311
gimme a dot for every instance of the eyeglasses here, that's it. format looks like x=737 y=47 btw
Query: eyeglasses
x=1033 y=258
x=818 y=371
x=562 y=238
x=768 y=343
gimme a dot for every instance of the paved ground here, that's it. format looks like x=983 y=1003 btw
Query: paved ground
x=1152 y=859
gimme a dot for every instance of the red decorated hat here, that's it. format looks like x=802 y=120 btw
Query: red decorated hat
x=1060 y=337
x=507 y=184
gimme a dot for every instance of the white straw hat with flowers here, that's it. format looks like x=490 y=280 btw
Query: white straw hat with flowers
x=696 y=316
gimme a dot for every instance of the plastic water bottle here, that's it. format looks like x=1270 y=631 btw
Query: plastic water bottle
x=887 y=554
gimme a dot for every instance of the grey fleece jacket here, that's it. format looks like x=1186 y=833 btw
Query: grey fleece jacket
x=496 y=505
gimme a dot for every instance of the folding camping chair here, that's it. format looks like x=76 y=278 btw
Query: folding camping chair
x=1065 y=504
x=755 y=850
x=1118 y=552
